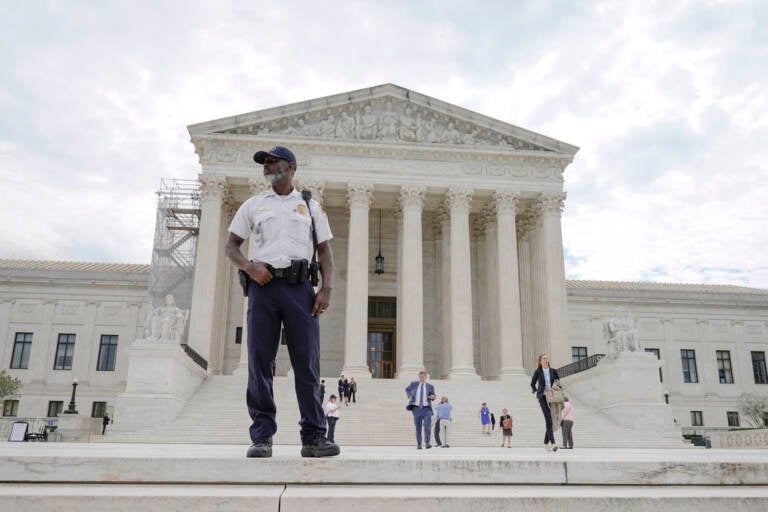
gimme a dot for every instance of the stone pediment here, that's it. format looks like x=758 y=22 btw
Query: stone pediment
x=386 y=113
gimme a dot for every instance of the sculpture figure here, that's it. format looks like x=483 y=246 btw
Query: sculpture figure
x=620 y=333
x=408 y=126
x=166 y=322
x=345 y=128
x=366 y=124
x=388 y=123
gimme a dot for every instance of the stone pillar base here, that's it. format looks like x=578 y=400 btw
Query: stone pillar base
x=625 y=388
x=74 y=427
x=358 y=372
x=463 y=373
x=161 y=378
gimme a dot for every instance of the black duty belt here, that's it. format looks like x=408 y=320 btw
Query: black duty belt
x=278 y=273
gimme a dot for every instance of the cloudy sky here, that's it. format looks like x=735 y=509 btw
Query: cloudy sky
x=668 y=102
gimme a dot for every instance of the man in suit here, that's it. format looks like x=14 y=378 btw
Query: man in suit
x=420 y=395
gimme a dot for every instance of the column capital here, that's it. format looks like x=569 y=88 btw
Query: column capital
x=317 y=187
x=212 y=187
x=257 y=185
x=551 y=203
x=359 y=194
x=412 y=196
x=458 y=199
x=505 y=201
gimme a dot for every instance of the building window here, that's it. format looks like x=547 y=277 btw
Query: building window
x=758 y=368
x=107 y=353
x=688 y=358
x=98 y=409
x=21 y=348
x=733 y=418
x=724 y=370
x=65 y=351
x=578 y=353
x=657 y=353
x=238 y=335
x=55 y=408
x=10 y=407
x=696 y=419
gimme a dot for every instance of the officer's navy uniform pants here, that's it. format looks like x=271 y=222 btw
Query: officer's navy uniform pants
x=269 y=306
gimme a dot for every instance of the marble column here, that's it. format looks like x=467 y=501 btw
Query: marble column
x=508 y=286
x=411 y=201
x=491 y=295
x=548 y=281
x=524 y=269
x=445 y=277
x=256 y=187
x=356 y=319
x=458 y=203
x=213 y=190
x=224 y=278
x=398 y=215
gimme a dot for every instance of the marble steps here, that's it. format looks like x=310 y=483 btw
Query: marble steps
x=216 y=414
x=75 y=476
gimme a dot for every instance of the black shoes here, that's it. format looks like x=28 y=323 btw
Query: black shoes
x=320 y=447
x=429 y=446
x=260 y=448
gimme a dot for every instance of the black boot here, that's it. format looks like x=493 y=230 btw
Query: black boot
x=320 y=447
x=260 y=448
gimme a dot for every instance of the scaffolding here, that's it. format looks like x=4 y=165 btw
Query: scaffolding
x=176 y=228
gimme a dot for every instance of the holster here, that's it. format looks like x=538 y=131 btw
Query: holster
x=243 y=277
x=297 y=272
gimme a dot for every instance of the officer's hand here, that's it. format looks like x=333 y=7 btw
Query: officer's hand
x=322 y=301
x=258 y=272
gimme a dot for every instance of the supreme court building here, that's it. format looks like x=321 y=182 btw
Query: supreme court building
x=464 y=209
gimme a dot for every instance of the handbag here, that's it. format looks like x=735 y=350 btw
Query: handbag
x=555 y=395
x=507 y=423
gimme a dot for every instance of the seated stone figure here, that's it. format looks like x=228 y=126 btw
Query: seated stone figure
x=620 y=333
x=166 y=322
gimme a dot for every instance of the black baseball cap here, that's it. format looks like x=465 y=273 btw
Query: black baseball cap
x=280 y=152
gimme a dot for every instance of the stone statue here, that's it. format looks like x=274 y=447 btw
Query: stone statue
x=408 y=126
x=620 y=333
x=345 y=129
x=366 y=124
x=388 y=123
x=167 y=322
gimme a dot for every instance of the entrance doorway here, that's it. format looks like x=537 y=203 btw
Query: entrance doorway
x=382 y=326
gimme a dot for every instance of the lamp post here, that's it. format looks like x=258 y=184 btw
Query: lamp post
x=72 y=409
x=666 y=397
x=379 y=258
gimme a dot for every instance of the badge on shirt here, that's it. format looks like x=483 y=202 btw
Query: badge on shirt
x=302 y=209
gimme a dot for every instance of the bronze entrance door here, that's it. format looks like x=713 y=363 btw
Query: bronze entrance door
x=382 y=326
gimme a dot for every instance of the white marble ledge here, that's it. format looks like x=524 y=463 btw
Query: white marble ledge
x=526 y=497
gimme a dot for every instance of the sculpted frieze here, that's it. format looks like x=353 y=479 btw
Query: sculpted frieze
x=387 y=120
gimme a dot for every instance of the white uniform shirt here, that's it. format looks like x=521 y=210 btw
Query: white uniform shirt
x=279 y=227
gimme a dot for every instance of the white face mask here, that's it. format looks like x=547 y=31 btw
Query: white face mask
x=272 y=178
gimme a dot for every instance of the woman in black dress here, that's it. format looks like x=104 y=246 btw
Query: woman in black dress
x=544 y=378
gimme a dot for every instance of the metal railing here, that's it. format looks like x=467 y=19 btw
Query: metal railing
x=580 y=365
x=200 y=360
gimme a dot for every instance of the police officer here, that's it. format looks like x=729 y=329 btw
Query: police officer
x=279 y=224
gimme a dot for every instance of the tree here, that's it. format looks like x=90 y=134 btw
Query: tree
x=755 y=408
x=9 y=385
